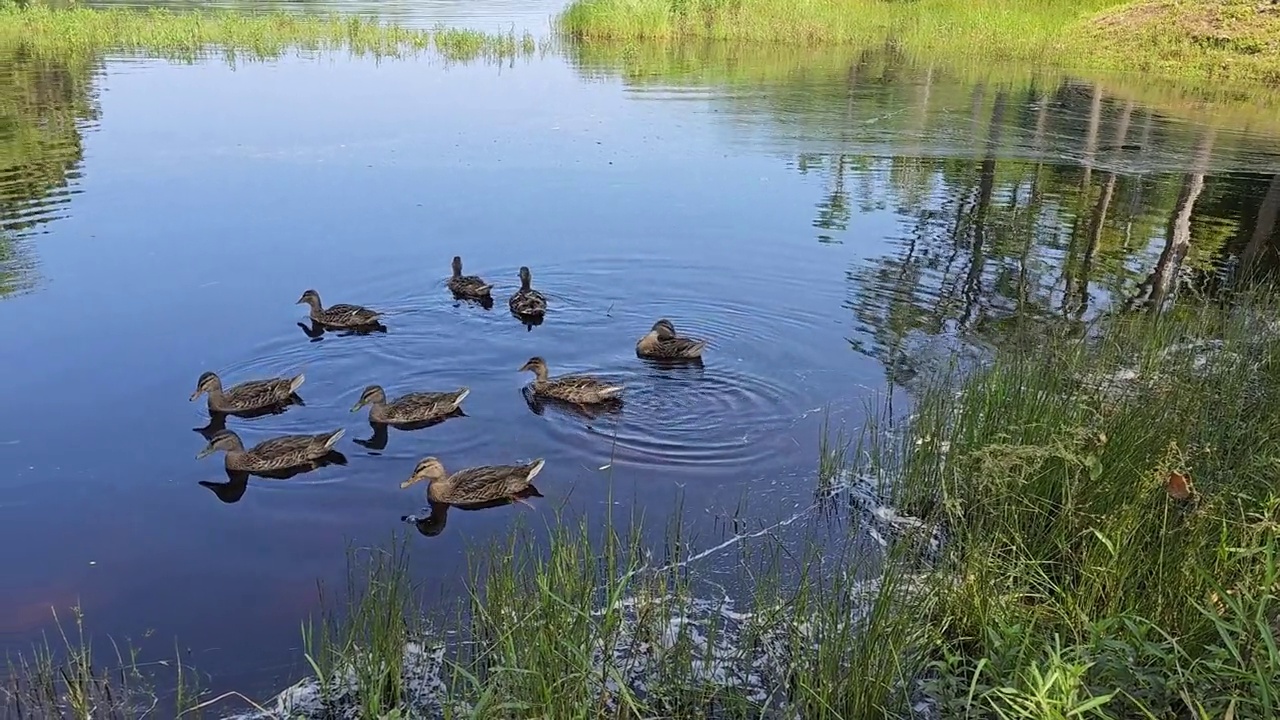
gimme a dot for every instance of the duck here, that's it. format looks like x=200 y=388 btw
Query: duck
x=275 y=453
x=577 y=389
x=248 y=396
x=474 y=485
x=340 y=315
x=411 y=408
x=527 y=302
x=662 y=343
x=467 y=286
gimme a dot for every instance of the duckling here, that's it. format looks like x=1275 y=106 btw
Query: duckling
x=527 y=302
x=474 y=485
x=247 y=396
x=467 y=286
x=411 y=408
x=338 y=316
x=275 y=453
x=662 y=343
x=577 y=389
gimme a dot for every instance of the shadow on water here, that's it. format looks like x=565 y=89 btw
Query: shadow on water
x=238 y=481
x=433 y=523
x=538 y=405
x=316 y=331
x=218 y=420
x=378 y=441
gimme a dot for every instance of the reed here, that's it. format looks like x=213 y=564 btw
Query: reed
x=80 y=31
x=1192 y=39
x=1112 y=520
x=65 y=678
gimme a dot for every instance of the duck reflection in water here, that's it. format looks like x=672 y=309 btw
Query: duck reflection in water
x=413 y=411
x=238 y=480
x=316 y=331
x=433 y=524
x=538 y=404
x=378 y=442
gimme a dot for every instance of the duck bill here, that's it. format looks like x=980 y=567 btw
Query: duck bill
x=195 y=395
x=205 y=452
x=358 y=405
x=410 y=482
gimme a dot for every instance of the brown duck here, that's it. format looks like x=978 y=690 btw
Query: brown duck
x=577 y=389
x=662 y=343
x=474 y=485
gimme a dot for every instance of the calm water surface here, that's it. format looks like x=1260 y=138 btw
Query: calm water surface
x=835 y=225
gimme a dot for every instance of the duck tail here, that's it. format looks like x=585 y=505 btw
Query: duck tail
x=333 y=437
x=463 y=392
x=695 y=348
x=535 y=469
x=611 y=391
x=296 y=382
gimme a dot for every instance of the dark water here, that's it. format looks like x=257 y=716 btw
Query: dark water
x=834 y=224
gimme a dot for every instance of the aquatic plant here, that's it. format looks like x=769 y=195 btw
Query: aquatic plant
x=65 y=678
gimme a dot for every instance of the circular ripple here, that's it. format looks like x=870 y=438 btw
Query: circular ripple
x=734 y=410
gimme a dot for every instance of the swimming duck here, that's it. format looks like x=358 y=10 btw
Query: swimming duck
x=467 y=286
x=578 y=389
x=411 y=408
x=247 y=396
x=662 y=343
x=474 y=485
x=527 y=302
x=340 y=315
x=275 y=453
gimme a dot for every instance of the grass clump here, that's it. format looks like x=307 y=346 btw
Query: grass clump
x=1193 y=39
x=598 y=631
x=1211 y=38
x=65 y=678
x=1113 y=522
x=80 y=31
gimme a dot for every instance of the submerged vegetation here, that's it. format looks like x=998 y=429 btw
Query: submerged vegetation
x=1090 y=530
x=80 y=31
x=1190 y=39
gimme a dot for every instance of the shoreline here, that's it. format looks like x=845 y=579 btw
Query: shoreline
x=1207 y=41
x=1051 y=514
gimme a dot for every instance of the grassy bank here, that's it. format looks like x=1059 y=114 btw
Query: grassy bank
x=79 y=31
x=1235 y=40
x=1108 y=520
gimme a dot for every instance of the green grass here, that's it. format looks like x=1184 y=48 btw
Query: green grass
x=64 y=677
x=1192 y=39
x=78 y=31
x=1072 y=578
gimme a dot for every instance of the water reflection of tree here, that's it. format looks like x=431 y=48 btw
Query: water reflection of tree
x=1021 y=236
x=1026 y=202
x=43 y=104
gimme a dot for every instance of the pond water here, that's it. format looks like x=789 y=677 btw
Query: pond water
x=834 y=223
